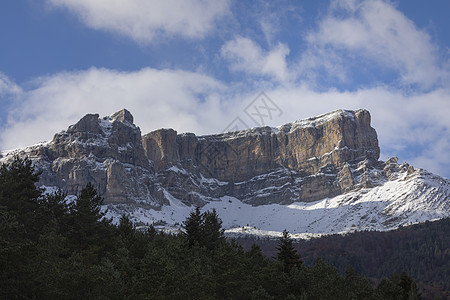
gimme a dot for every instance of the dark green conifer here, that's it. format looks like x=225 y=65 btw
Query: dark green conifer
x=212 y=231
x=193 y=227
x=18 y=191
x=287 y=253
x=87 y=208
x=90 y=232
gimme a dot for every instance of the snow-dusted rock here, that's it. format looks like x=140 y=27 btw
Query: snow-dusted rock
x=319 y=175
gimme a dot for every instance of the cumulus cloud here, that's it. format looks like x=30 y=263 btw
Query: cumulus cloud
x=193 y=102
x=377 y=31
x=156 y=98
x=412 y=124
x=353 y=37
x=245 y=55
x=148 y=21
x=413 y=127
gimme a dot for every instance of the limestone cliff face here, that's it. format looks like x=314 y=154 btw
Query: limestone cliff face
x=305 y=160
x=161 y=147
x=322 y=146
x=307 y=145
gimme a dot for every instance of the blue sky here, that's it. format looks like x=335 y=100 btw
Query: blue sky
x=196 y=65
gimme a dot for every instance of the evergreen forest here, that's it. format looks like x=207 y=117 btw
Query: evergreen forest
x=421 y=250
x=52 y=248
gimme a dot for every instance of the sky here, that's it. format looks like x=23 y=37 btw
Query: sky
x=208 y=66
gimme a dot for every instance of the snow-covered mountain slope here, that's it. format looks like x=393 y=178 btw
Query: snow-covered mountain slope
x=407 y=199
x=315 y=176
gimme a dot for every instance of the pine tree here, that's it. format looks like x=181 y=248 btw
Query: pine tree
x=54 y=205
x=212 y=231
x=18 y=191
x=204 y=229
x=15 y=258
x=356 y=287
x=87 y=208
x=193 y=227
x=53 y=209
x=388 y=289
x=287 y=253
x=126 y=228
x=409 y=287
x=90 y=232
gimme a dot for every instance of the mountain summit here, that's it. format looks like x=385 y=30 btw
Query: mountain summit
x=318 y=175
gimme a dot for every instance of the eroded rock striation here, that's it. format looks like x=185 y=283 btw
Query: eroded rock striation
x=306 y=160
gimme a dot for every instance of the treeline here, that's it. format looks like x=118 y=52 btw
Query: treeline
x=421 y=250
x=51 y=249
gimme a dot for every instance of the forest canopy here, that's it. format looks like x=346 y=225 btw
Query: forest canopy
x=54 y=249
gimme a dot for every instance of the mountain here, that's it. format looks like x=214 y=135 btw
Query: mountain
x=316 y=176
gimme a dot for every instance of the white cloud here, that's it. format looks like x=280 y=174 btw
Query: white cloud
x=317 y=63
x=269 y=29
x=247 y=56
x=156 y=98
x=435 y=158
x=147 y=21
x=352 y=38
x=7 y=86
x=376 y=30
x=413 y=127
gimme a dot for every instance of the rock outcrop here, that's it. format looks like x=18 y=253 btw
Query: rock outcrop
x=107 y=152
x=305 y=160
x=306 y=155
x=308 y=145
x=322 y=175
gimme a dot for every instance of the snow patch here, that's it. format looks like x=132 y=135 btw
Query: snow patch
x=399 y=202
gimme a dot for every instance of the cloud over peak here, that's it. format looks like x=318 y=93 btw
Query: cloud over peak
x=308 y=58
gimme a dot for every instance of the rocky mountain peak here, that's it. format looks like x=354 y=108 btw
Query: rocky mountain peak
x=321 y=166
x=86 y=127
x=123 y=115
x=306 y=145
x=96 y=150
x=305 y=160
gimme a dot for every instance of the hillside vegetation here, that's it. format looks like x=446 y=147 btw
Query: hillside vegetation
x=52 y=249
x=421 y=250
